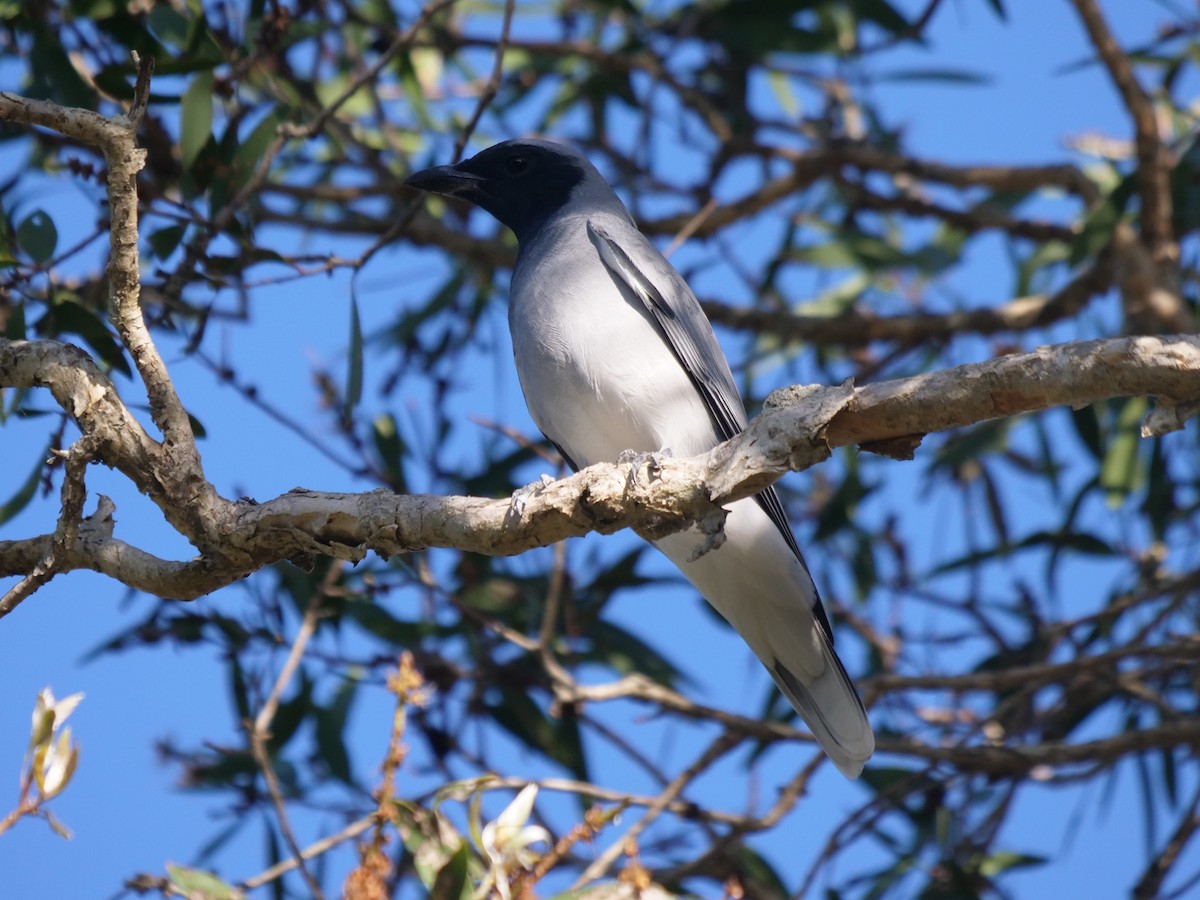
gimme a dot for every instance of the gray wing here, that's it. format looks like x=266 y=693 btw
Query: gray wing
x=690 y=336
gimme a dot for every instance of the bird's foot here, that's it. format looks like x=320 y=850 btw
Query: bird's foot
x=521 y=497
x=652 y=460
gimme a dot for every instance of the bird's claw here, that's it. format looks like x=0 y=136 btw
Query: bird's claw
x=521 y=497
x=651 y=459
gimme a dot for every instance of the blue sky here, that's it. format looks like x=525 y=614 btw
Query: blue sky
x=124 y=807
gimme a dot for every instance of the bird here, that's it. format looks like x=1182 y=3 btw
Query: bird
x=615 y=355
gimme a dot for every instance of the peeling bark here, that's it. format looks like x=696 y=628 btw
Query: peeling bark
x=799 y=428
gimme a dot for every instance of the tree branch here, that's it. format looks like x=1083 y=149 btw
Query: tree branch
x=1154 y=164
x=798 y=429
x=858 y=328
x=180 y=474
x=1151 y=882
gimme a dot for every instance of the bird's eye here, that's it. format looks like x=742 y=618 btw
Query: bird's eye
x=516 y=165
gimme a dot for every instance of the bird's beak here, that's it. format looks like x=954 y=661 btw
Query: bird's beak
x=448 y=180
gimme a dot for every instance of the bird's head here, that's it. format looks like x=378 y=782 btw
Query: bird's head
x=522 y=182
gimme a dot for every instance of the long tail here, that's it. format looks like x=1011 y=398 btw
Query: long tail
x=830 y=706
x=757 y=582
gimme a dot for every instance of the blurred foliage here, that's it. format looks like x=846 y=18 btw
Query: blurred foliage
x=1044 y=640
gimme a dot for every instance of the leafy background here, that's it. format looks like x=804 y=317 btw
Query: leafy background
x=326 y=329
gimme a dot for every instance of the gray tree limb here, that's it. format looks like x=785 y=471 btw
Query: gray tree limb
x=800 y=428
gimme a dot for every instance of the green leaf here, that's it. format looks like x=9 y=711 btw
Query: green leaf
x=1087 y=427
x=214 y=844
x=391 y=448
x=237 y=684
x=568 y=744
x=832 y=301
x=164 y=241
x=56 y=826
x=451 y=879
x=1141 y=763
x=127 y=31
x=1160 y=506
x=495 y=595
x=300 y=586
x=1005 y=861
x=14 y=328
x=626 y=653
x=6 y=238
x=838 y=512
x=753 y=864
x=331 y=731
x=885 y=880
x=290 y=715
x=187 y=628
x=25 y=492
x=995 y=506
x=331 y=747
x=781 y=87
x=69 y=317
x=559 y=740
x=942 y=76
x=170 y=26
x=886 y=779
x=198 y=429
x=54 y=77
x=253 y=148
x=354 y=373
x=971 y=444
x=196 y=118
x=372 y=617
x=1101 y=220
x=1170 y=776
x=197 y=884
x=410 y=82
x=1120 y=472
x=37 y=236
x=851 y=251
x=882 y=14
x=498 y=478
x=866 y=574
x=620 y=574
x=432 y=841
x=1079 y=541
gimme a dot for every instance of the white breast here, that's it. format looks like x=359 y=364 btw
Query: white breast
x=598 y=377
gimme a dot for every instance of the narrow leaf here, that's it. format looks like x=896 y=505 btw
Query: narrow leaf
x=196 y=118
x=25 y=492
x=354 y=374
x=37 y=236
x=451 y=880
x=201 y=885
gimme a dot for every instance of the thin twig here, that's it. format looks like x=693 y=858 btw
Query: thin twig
x=1151 y=882
x=554 y=592
x=691 y=227
x=718 y=748
x=312 y=851
x=251 y=395
x=262 y=722
x=261 y=728
x=73 y=494
x=288 y=132
x=493 y=83
x=1154 y=164
x=258 y=746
